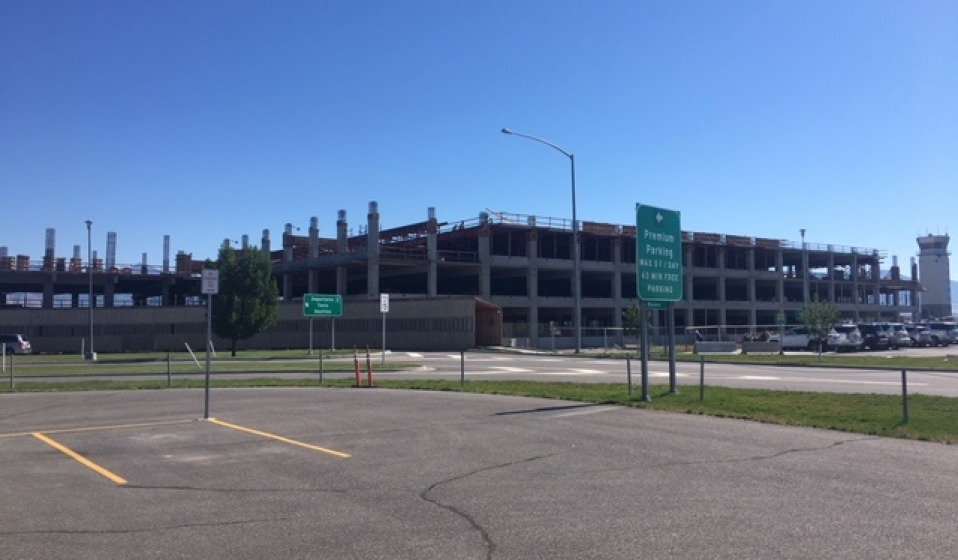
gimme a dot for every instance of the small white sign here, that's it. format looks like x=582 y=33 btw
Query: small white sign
x=211 y=281
x=384 y=303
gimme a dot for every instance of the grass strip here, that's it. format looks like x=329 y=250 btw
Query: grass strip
x=932 y=418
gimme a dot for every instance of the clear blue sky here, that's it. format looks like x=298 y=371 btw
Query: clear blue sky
x=217 y=118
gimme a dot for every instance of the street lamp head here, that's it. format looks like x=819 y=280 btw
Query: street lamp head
x=506 y=131
x=89 y=223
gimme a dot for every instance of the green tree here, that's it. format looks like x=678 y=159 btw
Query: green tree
x=632 y=319
x=820 y=317
x=246 y=304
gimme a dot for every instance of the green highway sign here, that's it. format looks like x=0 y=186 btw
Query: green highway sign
x=658 y=254
x=322 y=305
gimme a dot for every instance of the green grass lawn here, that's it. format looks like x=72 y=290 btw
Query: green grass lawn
x=931 y=418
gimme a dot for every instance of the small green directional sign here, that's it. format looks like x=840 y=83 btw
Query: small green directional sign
x=659 y=253
x=322 y=305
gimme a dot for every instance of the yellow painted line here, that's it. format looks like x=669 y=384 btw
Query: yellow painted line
x=281 y=438
x=98 y=428
x=81 y=459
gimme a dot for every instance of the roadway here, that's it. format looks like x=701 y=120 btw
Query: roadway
x=585 y=369
x=481 y=365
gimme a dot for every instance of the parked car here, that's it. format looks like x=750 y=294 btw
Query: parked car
x=874 y=336
x=898 y=337
x=844 y=338
x=796 y=338
x=920 y=335
x=16 y=343
x=943 y=332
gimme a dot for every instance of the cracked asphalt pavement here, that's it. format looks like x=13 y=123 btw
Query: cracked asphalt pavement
x=423 y=475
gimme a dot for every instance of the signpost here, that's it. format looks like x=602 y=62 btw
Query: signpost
x=210 y=287
x=384 y=309
x=659 y=277
x=322 y=306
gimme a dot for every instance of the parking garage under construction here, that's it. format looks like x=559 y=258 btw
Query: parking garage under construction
x=518 y=269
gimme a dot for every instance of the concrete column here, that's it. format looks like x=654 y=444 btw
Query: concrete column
x=287 y=286
x=780 y=285
x=532 y=250
x=108 y=287
x=372 y=251
x=485 y=268
x=312 y=275
x=342 y=247
x=617 y=271
x=831 y=277
x=48 y=290
x=689 y=274
x=432 y=254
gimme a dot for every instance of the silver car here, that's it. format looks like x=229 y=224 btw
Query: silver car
x=898 y=337
x=845 y=338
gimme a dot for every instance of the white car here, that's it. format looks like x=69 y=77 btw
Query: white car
x=795 y=338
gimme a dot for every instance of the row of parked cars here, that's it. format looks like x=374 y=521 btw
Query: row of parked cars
x=873 y=336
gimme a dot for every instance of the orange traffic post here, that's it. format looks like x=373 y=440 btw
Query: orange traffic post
x=369 y=369
x=356 y=362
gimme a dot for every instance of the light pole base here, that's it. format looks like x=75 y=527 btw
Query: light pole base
x=89 y=356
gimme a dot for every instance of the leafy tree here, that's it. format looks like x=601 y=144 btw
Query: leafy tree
x=632 y=319
x=820 y=317
x=246 y=304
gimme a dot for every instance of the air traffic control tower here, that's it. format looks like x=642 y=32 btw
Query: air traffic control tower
x=933 y=271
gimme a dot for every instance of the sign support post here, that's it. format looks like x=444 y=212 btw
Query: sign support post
x=211 y=287
x=384 y=309
x=659 y=277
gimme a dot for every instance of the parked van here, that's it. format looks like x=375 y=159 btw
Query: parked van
x=16 y=344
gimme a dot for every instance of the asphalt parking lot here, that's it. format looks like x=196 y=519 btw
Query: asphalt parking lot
x=368 y=473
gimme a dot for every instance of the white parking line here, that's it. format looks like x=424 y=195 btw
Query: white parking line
x=511 y=369
x=591 y=410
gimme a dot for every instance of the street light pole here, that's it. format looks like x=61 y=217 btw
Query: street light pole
x=576 y=290
x=804 y=269
x=91 y=355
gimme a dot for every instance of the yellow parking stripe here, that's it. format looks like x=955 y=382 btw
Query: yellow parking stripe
x=81 y=459
x=281 y=438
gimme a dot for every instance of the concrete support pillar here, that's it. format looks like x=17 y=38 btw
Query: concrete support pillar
x=312 y=275
x=108 y=287
x=689 y=274
x=372 y=248
x=48 y=290
x=532 y=250
x=780 y=285
x=342 y=247
x=485 y=268
x=432 y=254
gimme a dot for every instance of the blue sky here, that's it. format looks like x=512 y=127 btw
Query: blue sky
x=217 y=118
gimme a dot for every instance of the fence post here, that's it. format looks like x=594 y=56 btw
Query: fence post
x=462 y=369
x=701 y=377
x=320 y=367
x=628 y=373
x=904 y=394
x=369 y=369
x=169 y=369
